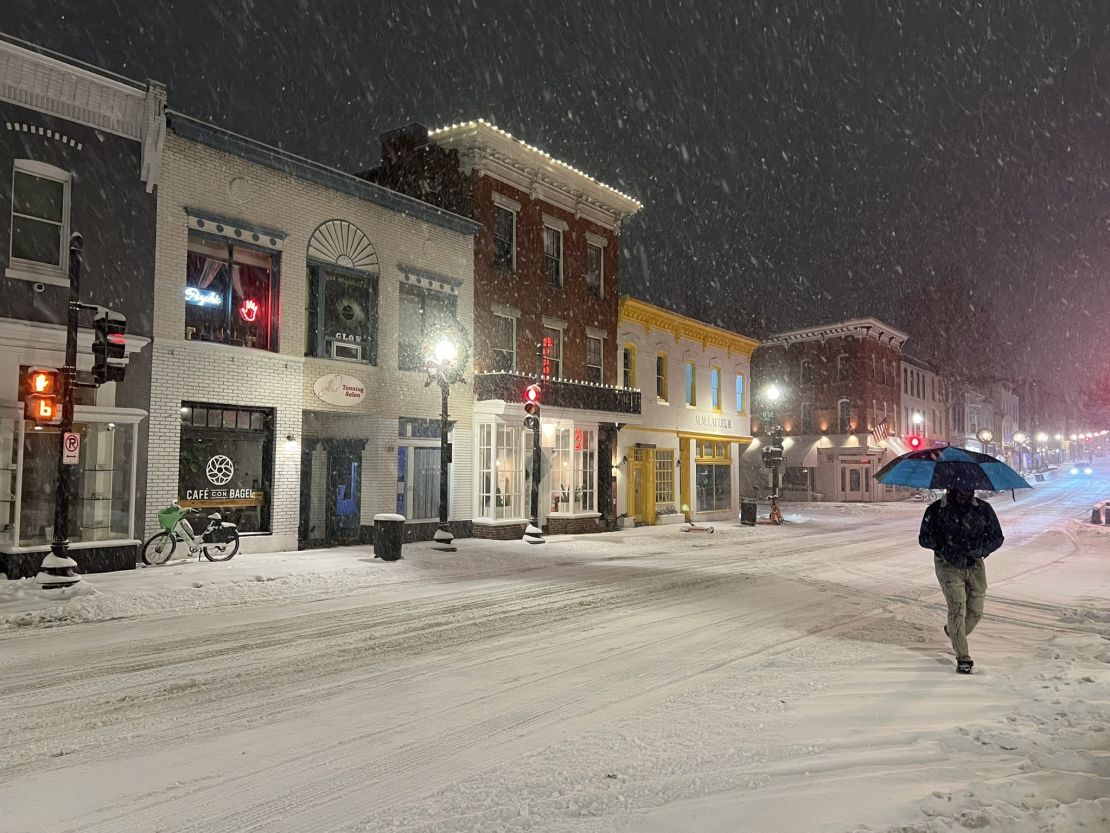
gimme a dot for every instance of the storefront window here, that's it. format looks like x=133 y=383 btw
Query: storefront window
x=227 y=458
x=585 y=485
x=230 y=294
x=664 y=477
x=100 y=504
x=713 y=475
x=8 y=461
x=501 y=472
x=574 y=471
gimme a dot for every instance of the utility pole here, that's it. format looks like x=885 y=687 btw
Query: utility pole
x=533 y=534
x=57 y=567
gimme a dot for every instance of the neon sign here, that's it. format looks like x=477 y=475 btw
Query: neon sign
x=249 y=310
x=202 y=297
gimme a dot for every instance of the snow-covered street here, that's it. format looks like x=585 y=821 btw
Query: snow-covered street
x=755 y=679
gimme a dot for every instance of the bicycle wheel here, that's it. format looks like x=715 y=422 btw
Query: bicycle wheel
x=223 y=552
x=158 y=549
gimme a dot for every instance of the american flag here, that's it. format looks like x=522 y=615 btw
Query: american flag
x=880 y=432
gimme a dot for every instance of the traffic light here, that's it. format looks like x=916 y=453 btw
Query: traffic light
x=915 y=442
x=41 y=404
x=772 y=456
x=109 y=346
x=532 y=407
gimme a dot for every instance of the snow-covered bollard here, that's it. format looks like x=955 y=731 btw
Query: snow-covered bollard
x=533 y=534
x=57 y=572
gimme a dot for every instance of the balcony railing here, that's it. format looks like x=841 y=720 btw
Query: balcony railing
x=558 y=393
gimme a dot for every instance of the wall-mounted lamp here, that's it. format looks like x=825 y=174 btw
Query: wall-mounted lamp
x=617 y=465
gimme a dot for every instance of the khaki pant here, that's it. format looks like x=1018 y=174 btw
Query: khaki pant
x=965 y=590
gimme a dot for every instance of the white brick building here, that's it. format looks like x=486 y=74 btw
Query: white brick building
x=290 y=302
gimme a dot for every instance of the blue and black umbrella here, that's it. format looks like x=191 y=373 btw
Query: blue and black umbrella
x=950 y=468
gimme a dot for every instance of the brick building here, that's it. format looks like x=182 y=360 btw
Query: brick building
x=79 y=153
x=546 y=264
x=291 y=304
x=924 y=401
x=839 y=381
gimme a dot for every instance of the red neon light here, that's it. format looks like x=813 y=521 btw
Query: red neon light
x=249 y=310
x=548 y=349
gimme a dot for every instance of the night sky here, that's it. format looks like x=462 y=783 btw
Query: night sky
x=795 y=166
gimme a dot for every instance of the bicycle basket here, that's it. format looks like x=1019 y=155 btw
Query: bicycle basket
x=169 y=517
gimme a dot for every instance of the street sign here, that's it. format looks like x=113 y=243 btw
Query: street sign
x=71 y=448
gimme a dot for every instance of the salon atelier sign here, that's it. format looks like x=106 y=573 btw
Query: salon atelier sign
x=338 y=389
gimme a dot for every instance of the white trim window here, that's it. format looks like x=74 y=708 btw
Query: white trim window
x=552 y=352
x=504 y=237
x=503 y=342
x=501 y=457
x=844 y=416
x=595 y=270
x=843 y=367
x=595 y=350
x=40 y=222
x=553 y=256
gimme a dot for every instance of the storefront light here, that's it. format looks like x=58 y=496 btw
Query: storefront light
x=202 y=297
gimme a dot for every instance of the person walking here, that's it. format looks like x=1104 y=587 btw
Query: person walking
x=961 y=530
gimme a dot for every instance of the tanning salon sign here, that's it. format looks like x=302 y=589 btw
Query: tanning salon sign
x=213 y=479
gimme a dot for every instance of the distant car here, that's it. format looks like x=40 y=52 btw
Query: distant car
x=1084 y=470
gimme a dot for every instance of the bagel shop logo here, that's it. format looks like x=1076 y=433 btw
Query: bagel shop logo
x=214 y=479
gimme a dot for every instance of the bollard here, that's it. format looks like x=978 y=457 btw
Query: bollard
x=1096 y=513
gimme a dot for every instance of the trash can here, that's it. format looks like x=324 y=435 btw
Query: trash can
x=747 y=512
x=1096 y=513
x=389 y=534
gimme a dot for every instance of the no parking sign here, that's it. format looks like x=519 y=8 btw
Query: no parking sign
x=71 y=448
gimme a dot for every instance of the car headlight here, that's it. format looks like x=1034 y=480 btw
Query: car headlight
x=1088 y=470
x=1074 y=470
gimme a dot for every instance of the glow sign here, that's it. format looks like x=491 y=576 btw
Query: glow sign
x=249 y=310
x=202 y=297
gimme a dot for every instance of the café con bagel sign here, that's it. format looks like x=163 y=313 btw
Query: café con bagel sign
x=338 y=389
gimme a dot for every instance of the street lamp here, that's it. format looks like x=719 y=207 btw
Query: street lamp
x=985 y=435
x=772 y=454
x=446 y=351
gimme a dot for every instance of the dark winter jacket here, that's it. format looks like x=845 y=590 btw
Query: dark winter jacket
x=960 y=535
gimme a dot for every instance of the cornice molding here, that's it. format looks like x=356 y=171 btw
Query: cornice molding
x=856 y=328
x=651 y=317
x=495 y=151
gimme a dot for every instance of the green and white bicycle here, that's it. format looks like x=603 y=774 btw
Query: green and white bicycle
x=217 y=539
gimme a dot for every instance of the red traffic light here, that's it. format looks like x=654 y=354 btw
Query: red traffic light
x=915 y=442
x=532 y=394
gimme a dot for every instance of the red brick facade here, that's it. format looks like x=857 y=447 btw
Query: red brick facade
x=868 y=378
x=527 y=290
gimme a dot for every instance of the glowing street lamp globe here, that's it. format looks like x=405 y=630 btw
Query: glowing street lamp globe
x=1020 y=438
x=774 y=393
x=918 y=419
x=1042 y=437
x=445 y=351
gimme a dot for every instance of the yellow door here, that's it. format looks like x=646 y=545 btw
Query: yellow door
x=641 y=485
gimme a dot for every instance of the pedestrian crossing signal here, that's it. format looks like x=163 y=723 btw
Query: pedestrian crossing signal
x=40 y=404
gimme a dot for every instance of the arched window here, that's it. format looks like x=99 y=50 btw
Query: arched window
x=844 y=416
x=805 y=371
x=342 y=303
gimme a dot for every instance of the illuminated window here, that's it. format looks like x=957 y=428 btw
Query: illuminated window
x=230 y=294
x=664 y=477
x=739 y=393
x=691 y=384
x=712 y=475
x=552 y=352
x=715 y=388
